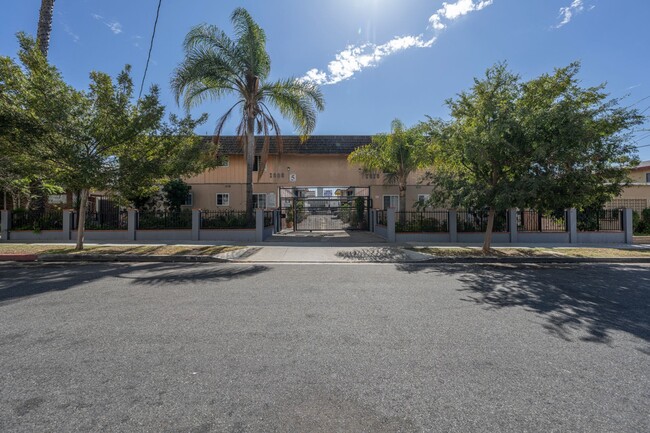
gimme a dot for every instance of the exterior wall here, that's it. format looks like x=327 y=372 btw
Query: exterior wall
x=242 y=235
x=601 y=237
x=310 y=170
x=163 y=235
x=639 y=175
x=545 y=237
x=477 y=238
x=45 y=235
x=102 y=235
x=423 y=237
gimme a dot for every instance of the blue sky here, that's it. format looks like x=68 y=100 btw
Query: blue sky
x=376 y=59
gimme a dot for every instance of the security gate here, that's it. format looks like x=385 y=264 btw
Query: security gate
x=305 y=213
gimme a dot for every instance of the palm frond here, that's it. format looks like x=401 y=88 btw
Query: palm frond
x=296 y=100
x=251 y=43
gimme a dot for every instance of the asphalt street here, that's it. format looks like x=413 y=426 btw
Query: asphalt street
x=324 y=348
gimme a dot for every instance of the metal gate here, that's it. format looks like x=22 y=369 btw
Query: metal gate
x=347 y=212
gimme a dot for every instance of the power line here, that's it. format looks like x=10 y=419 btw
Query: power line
x=153 y=35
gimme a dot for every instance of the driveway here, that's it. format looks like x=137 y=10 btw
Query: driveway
x=324 y=348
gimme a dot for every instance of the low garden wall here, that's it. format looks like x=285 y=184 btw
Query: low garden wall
x=163 y=227
x=511 y=227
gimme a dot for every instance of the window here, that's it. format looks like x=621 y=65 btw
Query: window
x=223 y=161
x=257 y=163
x=423 y=198
x=189 y=199
x=391 y=201
x=57 y=199
x=223 y=199
x=259 y=201
x=647 y=178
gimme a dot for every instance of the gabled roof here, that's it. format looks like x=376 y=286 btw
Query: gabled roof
x=314 y=145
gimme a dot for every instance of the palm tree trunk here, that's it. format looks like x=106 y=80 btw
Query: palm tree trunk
x=45 y=26
x=81 y=224
x=402 y=204
x=250 y=161
x=487 y=241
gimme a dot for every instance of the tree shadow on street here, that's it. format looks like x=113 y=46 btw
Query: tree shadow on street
x=27 y=280
x=584 y=301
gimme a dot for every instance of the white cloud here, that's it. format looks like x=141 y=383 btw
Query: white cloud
x=73 y=35
x=114 y=26
x=355 y=58
x=567 y=13
x=452 y=11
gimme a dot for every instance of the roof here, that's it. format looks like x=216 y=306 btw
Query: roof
x=643 y=164
x=314 y=145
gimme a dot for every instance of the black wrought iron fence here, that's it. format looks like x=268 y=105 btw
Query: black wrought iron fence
x=148 y=220
x=610 y=220
x=51 y=219
x=476 y=221
x=427 y=221
x=536 y=221
x=226 y=220
x=382 y=219
x=114 y=219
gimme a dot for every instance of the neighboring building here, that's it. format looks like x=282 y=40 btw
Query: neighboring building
x=316 y=168
x=637 y=195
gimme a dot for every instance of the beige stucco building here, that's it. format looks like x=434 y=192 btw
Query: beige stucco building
x=321 y=163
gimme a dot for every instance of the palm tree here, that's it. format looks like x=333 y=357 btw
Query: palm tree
x=216 y=66
x=397 y=155
x=45 y=26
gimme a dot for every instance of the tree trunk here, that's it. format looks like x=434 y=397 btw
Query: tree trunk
x=45 y=26
x=250 y=161
x=488 y=231
x=402 y=204
x=81 y=220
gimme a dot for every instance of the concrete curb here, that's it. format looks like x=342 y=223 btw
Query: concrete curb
x=18 y=257
x=533 y=260
x=127 y=258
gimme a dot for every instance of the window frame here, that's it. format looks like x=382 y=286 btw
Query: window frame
x=256 y=200
x=226 y=194
x=191 y=197
x=383 y=201
x=647 y=178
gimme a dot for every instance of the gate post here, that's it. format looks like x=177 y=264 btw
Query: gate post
x=5 y=225
x=259 y=225
x=390 y=222
x=132 y=224
x=196 y=224
x=512 y=222
x=67 y=224
x=452 y=222
x=572 y=217
x=628 y=226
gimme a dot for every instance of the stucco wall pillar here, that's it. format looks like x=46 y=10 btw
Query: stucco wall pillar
x=452 y=222
x=390 y=223
x=5 y=225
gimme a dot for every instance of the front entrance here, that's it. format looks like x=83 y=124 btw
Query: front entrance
x=325 y=208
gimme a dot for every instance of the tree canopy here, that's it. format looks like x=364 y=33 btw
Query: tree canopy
x=97 y=139
x=545 y=144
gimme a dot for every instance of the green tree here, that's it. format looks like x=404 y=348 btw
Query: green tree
x=216 y=66
x=97 y=139
x=545 y=144
x=397 y=155
x=176 y=192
